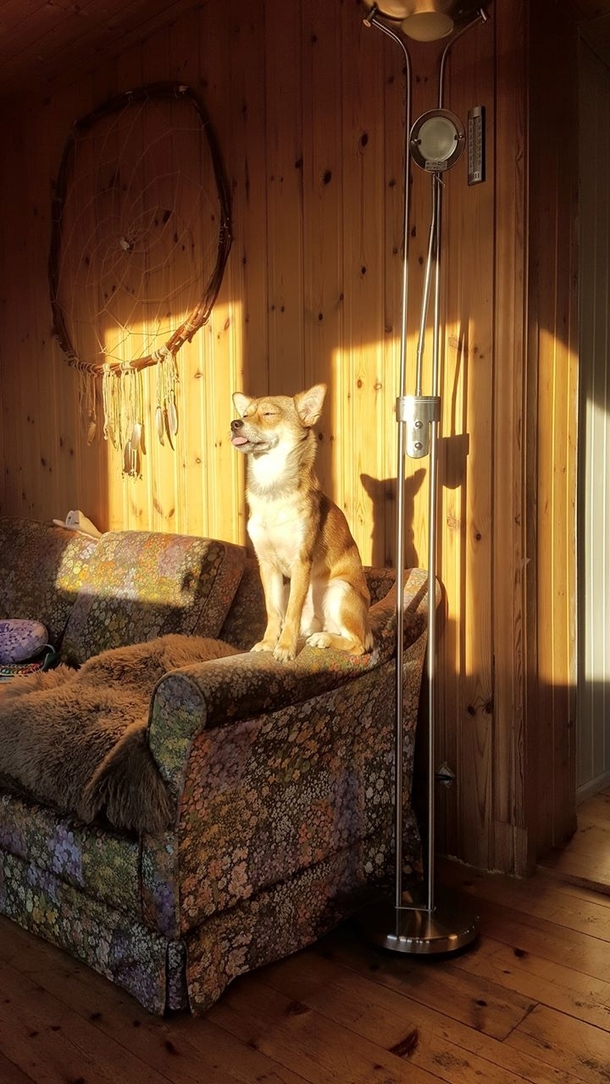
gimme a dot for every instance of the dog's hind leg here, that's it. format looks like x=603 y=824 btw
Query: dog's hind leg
x=346 y=623
x=352 y=644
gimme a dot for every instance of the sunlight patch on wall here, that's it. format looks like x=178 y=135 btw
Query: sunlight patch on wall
x=186 y=477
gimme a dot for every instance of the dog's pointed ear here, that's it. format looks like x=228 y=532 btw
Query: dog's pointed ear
x=241 y=402
x=309 y=404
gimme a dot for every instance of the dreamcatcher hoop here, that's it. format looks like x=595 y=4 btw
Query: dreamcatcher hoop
x=201 y=311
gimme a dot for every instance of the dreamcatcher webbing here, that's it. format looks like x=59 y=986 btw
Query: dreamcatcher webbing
x=141 y=235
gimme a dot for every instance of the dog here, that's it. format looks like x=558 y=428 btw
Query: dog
x=299 y=535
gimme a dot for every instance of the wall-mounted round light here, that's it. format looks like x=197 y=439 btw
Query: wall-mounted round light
x=437 y=140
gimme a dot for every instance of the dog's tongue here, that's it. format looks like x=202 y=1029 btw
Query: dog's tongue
x=239 y=440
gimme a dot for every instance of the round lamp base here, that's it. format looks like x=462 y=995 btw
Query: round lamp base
x=451 y=925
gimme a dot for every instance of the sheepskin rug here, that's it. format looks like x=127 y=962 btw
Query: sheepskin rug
x=76 y=739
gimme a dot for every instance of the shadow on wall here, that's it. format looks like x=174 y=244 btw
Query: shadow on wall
x=381 y=491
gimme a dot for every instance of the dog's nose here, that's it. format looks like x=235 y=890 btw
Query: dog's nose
x=236 y=424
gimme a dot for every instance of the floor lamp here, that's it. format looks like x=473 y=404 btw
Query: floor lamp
x=437 y=922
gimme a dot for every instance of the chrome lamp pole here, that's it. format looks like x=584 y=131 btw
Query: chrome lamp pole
x=426 y=921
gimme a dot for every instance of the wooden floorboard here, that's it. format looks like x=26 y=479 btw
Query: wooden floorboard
x=529 y=1003
x=586 y=859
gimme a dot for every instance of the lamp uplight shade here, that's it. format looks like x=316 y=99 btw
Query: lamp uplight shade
x=427 y=25
x=423 y=20
x=427 y=20
x=394 y=9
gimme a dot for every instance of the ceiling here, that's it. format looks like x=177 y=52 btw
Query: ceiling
x=45 y=43
x=596 y=32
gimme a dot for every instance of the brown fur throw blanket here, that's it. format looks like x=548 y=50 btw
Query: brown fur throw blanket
x=76 y=739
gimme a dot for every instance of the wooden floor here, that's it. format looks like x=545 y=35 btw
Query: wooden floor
x=531 y=1002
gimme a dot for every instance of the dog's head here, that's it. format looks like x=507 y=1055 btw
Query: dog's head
x=275 y=420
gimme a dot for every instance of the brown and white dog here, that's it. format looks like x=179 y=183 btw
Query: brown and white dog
x=298 y=533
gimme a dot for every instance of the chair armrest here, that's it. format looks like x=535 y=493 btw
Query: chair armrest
x=222 y=691
x=318 y=731
x=304 y=770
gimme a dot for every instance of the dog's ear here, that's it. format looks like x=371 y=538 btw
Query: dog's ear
x=309 y=404
x=241 y=402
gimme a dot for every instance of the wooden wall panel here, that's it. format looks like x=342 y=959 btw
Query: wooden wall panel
x=510 y=500
x=285 y=371
x=357 y=366
x=323 y=236
x=308 y=106
x=593 y=729
x=551 y=414
x=467 y=451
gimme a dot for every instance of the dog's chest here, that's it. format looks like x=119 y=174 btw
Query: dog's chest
x=277 y=531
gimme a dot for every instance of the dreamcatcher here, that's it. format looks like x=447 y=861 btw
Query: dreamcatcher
x=140 y=238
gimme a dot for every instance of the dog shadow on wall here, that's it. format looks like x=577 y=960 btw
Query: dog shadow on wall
x=382 y=492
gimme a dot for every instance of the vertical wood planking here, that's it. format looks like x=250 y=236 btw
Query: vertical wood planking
x=226 y=367
x=125 y=493
x=246 y=328
x=14 y=427
x=360 y=414
x=323 y=317
x=196 y=446
x=66 y=445
x=593 y=726
x=167 y=494
x=95 y=479
x=284 y=183
x=468 y=275
x=292 y=93
x=553 y=356
x=247 y=111
x=391 y=72
x=509 y=509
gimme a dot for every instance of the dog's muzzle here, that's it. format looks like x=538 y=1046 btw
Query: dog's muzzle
x=237 y=438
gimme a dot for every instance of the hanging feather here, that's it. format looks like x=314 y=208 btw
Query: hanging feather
x=159 y=423
x=140 y=419
x=172 y=416
x=168 y=429
x=136 y=436
x=127 y=458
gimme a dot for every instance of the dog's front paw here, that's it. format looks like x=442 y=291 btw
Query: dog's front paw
x=284 y=654
x=319 y=639
x=263 y=645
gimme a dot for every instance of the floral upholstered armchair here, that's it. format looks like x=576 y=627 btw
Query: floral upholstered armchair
x=280 y=776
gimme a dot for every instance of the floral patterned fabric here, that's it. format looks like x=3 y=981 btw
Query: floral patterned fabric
x=292 y=914
x=104 y=937
x=142 y=584
x=328 y=763
x=282 y=776
x=96 y=860
x=42 y=568
x=294 y=763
